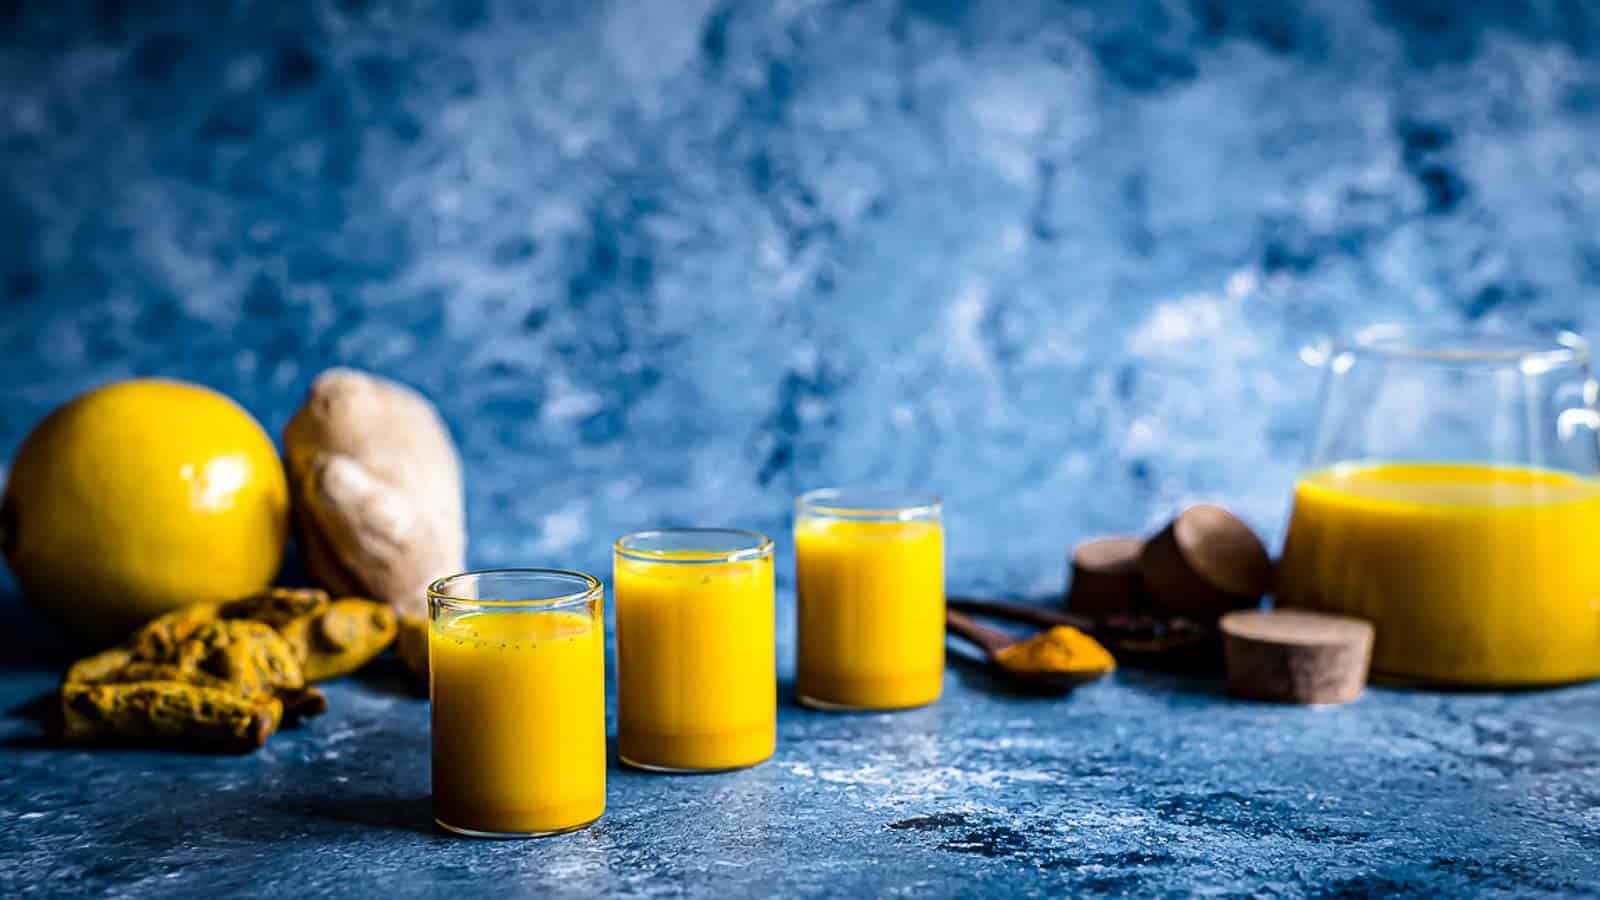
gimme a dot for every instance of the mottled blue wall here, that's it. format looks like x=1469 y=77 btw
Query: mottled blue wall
x=674 y=262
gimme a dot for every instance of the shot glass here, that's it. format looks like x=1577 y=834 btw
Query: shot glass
x=517 y=676
x=696 y=668
x=870 y=570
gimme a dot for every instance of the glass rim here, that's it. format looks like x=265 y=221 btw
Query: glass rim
x=591 y=588
x=838 y=503
x=1464 y=347
x=759 y=546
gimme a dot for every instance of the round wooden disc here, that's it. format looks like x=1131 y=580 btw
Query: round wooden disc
x=1295 y=656
x=1105 y=576
x=1206 y=562
x=1224 y=550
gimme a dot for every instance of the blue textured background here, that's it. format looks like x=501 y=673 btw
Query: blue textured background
x=675 y=262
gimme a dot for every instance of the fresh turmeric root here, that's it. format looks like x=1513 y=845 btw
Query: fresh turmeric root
x=276 y=606
x=247 y=658
x=340 y=638
x=223 y=675
x=330 y=637
x=209 y=717
x=102 y=666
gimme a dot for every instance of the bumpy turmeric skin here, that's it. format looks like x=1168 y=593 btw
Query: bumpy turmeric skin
x=251 y=657
x=103 y=666
x=276 y=606
x=160 y=638
x=248 y=658
x=225 y=675
x=168 y=711
x=343 y=637
x=330 y=637
x=189 y=679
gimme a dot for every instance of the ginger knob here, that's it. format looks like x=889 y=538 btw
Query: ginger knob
x=376 y=486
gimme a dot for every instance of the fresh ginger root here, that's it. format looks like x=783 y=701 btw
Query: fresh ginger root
x=376 y=487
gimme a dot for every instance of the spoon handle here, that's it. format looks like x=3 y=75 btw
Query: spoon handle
x=990 y=639
x=1020 y=612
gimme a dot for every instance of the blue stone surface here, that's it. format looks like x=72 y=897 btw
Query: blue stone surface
x=1144 y=786
x=672 y=263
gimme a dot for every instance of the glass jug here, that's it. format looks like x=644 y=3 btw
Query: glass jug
x=1451 y=499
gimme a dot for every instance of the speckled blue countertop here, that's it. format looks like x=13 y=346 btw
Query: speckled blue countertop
x=1144 y=785
x=670 y=263
x=1141 y=785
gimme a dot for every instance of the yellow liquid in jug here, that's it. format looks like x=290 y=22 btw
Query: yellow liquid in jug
x=1474 y=575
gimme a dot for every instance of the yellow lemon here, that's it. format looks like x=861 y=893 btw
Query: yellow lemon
x=139 y=497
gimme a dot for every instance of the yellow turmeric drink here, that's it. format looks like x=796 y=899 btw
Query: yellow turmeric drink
x=1474 y=575
x=870 y=572
x=519 y=737
x=696 y=661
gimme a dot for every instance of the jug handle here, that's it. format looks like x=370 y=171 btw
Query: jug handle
x=1582 y=416
x=1327 y=354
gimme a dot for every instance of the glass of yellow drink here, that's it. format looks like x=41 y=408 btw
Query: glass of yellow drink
x=870 y=585
x=696 y=669
x=1452 y=501
x=517 y=677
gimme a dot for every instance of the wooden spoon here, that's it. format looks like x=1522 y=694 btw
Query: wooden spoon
x=1150 y=641
x=1027 y=613
x=992 y=641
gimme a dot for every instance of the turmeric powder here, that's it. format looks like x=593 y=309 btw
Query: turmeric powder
x=1062 y=650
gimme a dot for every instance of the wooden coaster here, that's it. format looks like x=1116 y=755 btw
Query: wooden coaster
x=1105 y=577
x=1206 y=562
x=1294 y=656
